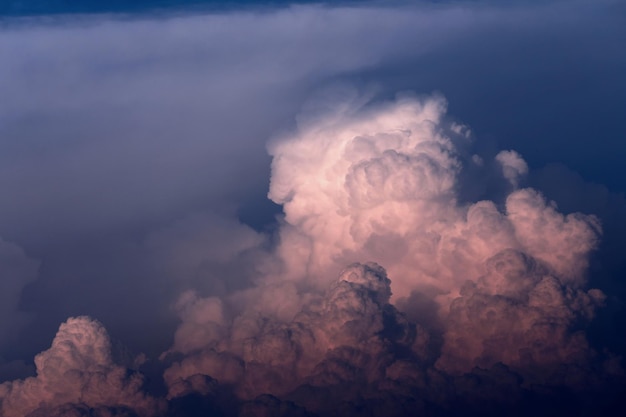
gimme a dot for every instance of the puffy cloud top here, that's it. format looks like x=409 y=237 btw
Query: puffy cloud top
x=381 y=183
x=264 y=355
x=77 y=371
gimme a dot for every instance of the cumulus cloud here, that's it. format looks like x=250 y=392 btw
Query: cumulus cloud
x=382 y=183
x=365 y=184
x=76 y=374
x=506 y=282
x=481 y=298
x=349 y=332
x=519 y=315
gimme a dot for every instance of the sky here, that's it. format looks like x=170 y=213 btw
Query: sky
x=252 y=208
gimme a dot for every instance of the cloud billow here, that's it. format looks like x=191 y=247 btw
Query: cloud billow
x=416 y=268
x=77 y=372
x=374 y=187
x=507 y=284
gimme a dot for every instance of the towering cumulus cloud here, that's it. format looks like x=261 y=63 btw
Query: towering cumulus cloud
x=490 y=289
x=382 y=184
x=385 y=290
x=272 y=216
x=77 y=376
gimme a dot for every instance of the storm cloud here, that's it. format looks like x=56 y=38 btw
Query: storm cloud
x=507 y=285
x=313 y=210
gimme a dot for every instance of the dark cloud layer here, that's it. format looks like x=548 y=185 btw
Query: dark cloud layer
x=404 y=263
x=18 y=8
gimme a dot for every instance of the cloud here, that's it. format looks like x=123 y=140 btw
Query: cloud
x=88 y=93
x=115 y=93
x=77 y=373
x=380 y=182
x=518 y=315
x=364 y=184
x=205 y=251
x=513 y=166
x=130 y=147
x=116 y=128
x=351 y=321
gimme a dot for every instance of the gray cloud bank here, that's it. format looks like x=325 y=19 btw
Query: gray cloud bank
x=412 y=268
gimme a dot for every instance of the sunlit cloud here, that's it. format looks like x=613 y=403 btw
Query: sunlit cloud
x=274 y=214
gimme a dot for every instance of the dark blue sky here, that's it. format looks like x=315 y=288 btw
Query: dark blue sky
x=45 y=7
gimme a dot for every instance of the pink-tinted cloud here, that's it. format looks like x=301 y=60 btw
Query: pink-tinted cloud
x=77 y=372
x=381 y=183
x=504 y=282
x=259 y=355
